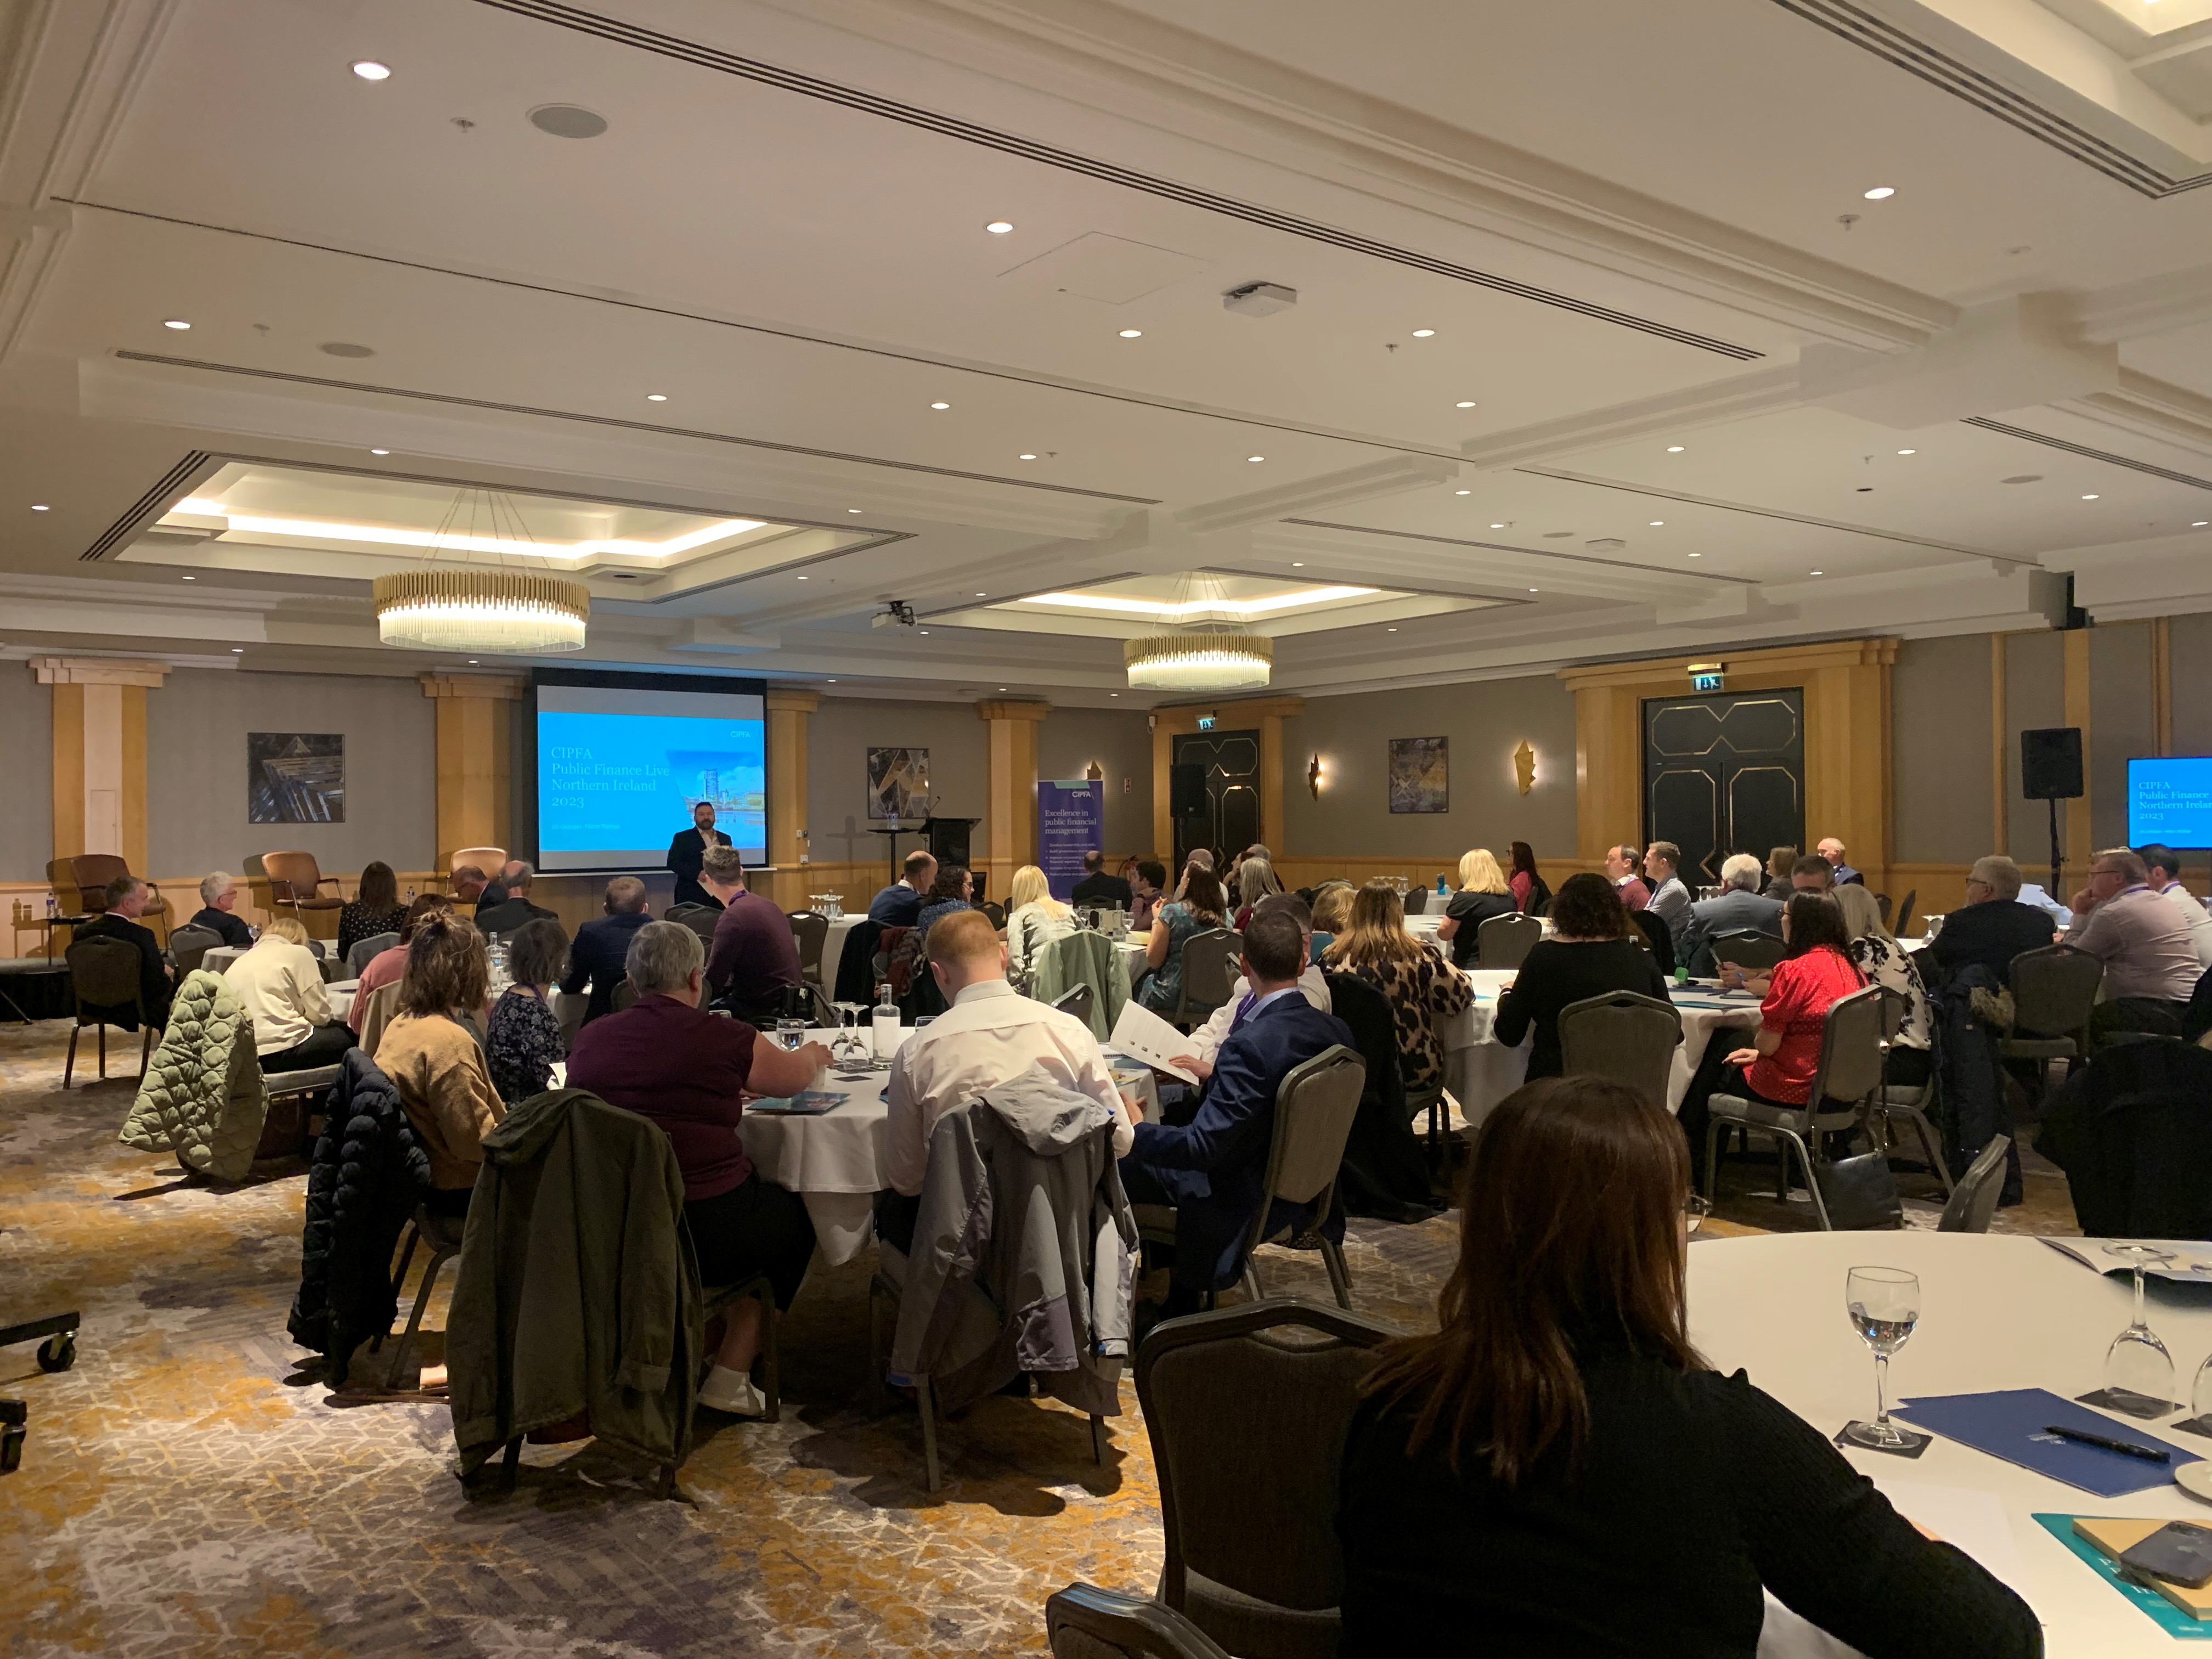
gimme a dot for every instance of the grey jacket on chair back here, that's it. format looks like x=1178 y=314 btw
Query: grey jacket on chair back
x=994 y=1288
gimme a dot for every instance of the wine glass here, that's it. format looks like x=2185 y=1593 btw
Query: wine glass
x=852 y=1048
x=1885 y=1305
x=2138 y=1369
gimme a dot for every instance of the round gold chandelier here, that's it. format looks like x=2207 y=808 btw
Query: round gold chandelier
x=1208 y=658
x=482 y=608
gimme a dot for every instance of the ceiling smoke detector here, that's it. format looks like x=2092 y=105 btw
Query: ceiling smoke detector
x=568 y=121
x=1258 y=299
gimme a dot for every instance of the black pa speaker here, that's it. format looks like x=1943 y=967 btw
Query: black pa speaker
x=2051 y=763
x=1186 y=792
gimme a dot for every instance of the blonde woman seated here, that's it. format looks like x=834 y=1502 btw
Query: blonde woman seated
x=1255 y=879
x=1034 y=920
x=1483 y=893
x=433 y=1051
x=280 y=984
x=1422 y=987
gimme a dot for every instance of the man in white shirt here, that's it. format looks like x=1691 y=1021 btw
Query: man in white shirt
x=1205 y=1042
x=2165 y=867
x=990 y=1035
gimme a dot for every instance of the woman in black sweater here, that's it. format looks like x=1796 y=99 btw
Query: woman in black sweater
x=1557 y=1470
x=1594 y=951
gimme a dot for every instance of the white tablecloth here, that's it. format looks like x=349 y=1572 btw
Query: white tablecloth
x=1480 y=1071
x=833 y=948
x=1996 y=1312
x=834 y=1161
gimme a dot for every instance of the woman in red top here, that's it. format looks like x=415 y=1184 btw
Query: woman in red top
x=1814 y=975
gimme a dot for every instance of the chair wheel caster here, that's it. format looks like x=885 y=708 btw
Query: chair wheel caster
x=58 y=1353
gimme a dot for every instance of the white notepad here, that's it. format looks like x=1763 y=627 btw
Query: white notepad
x=1143 y=1035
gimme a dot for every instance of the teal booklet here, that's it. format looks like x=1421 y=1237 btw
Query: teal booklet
x=2168 y=1618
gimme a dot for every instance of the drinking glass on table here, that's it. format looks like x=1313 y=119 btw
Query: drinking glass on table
x=2138 y=1369
x=790 y=1034
x=1884 y=1303
x=853 y=1046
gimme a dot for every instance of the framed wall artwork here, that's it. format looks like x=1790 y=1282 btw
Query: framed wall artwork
x=1420 y=774
x=898 y=784
x=295 y=777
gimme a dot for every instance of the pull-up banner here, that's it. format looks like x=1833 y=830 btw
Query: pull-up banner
x=1071 y=821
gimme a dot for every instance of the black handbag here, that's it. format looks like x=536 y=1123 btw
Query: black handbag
x=1860 y=1192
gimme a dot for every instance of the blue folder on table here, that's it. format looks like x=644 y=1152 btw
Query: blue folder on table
x=2009 y=1424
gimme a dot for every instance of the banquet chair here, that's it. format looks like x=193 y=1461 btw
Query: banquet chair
x=1849 y=1075
x=2053 y=989
x=443 y=1235
x=1747 y=948
x=80 y=884
x=1417 y=900
x=1910 y=1102
x=809 y=932
x=104 y=973
x=1076 y=1001
x=366 y=950
x=1973 y=1201
x=1657 y=937
x=295 y=880
x=623 y=996
x=1209 y=974
x=1314 y=1107
x=569 y=1007
x=995 y=911
x=486 y=859
x=1085 y=1622
x=1505 y=941
x=1882 y=904
x=188 y=944
x=1629 y=1038
x=1905 y=912
x=1247 y=1409
x=701 y=919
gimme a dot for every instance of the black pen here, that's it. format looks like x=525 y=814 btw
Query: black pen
x=2149 y=1454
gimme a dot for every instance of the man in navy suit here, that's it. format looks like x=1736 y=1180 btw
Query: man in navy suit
x=689 y=850
x=601 y=944
x=1212 y=1169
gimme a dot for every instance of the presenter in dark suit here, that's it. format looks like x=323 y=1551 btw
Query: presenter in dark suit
x=597 y=955
x=688 y=849
x=1212 y=1169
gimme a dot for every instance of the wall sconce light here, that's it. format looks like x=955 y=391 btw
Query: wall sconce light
x=1524 y=766
x=1313 y=777
x=1096 y=774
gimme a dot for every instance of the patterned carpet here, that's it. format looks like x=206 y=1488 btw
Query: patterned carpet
x=186 y=1491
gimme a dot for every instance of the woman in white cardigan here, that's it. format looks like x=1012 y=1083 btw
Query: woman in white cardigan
x=1034 y=920
x=280 y=984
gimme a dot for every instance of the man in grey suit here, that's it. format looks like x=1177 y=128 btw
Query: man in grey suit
x=1741 y=905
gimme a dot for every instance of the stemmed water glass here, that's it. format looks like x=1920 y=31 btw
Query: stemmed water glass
x=2138 y=1369
x=1884 y=1303
x=853 y=1046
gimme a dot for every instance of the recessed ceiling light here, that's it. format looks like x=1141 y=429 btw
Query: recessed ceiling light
x=473 y=661
x=1025 y=457
x=940 y=406
x=237 y=650
x=1255 y=457
x=2199 y=524
x=369 y=69
x=1462 y=492
x=1908 y=452
x=2090 y=498
x=1113 y=694
x=1697 y=556
x=852 y=509
x=802 y=579
x=190 y=579
x=1674 y=449
x=1531 y=590
x=1658 y=524
x=1880 y=193
x=983 y=596
x=1423 y=333
x=1298 y=564
x=924 y=633
x=1464 y=403
x=1390 y=630
x=1002 y=688
x=1498 y=527
x=1133 y=334
x=379 y=452
x=656 y=397
x=997 y=226
x=1815 y=573
x=833 y=679
x=177 y=322
x=40 y=506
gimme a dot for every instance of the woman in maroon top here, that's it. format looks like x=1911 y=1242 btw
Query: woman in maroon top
x=1815 y=973
x=667 y=1059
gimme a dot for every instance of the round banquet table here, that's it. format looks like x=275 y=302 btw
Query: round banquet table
x=1481 y=1072
x=1996 y=1312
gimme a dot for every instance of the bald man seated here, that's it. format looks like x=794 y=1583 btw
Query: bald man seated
x=989 y=1035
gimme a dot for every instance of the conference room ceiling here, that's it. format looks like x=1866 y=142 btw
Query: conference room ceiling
x=1599 y=345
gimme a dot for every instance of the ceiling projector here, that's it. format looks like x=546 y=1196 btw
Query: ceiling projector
x=896 y=613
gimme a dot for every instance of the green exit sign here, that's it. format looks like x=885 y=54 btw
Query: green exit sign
x=1707 y=682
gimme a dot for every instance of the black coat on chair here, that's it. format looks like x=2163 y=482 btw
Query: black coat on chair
x=1385 y=1173
x=2133 y=1131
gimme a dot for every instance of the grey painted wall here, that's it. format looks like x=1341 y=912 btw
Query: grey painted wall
x=1939 y=705
x=196 y=727
x=27 y=762
x=2035 y=696
x=1121 y=744
x=1484 y=721
x=2190 y=640
x=2122 y=722
x=839 y=735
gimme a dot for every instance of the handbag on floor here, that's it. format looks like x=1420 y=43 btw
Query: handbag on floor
x=1860 y=1192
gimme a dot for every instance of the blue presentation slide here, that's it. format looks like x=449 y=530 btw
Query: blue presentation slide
x=622 y=785
x=2170 y=801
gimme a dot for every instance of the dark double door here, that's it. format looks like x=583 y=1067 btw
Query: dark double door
x=1724 y=774
x=1230 y=821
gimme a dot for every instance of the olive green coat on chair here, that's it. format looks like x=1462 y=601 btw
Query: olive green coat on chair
x=203 y=1097
x=578 y=1292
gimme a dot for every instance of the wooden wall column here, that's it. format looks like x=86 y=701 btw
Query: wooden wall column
x=476 y=759
x=2080 y=844
x=1011 y=803
x=787 y=710
x=99 y=754
x=1847 y=780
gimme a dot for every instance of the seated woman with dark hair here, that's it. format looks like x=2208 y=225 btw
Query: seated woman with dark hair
x=1594 y=950
x=951 y=891
x=1815 y=973
x=1201 y=908
x=1420 y=985
x=433 y=1052
x=522 y=1040
x=374 y=908
x=1557 y=1470
x=386 y=966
